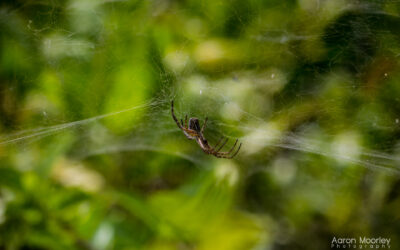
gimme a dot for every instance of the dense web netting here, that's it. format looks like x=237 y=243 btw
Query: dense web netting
x=152 y=129
x=310 y=87
x=273 y=91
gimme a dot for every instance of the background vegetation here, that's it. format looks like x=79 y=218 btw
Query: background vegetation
x=91 y=159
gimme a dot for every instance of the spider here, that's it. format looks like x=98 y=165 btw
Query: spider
x=195 y=132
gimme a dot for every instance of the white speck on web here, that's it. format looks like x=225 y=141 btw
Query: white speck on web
x=200 y=91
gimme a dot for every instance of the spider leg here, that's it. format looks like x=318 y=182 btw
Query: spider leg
x=186 y=126
x=227 y=156
x=188 y=134
x=219 y=141
x=222 y=156
x=173 y=115
x=182 y=123
x=223 y=144
x=204 y=125
x=230 y=151
x=237 y=151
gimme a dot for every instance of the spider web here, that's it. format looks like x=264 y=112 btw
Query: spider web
x=302 y=84
x=228 y=86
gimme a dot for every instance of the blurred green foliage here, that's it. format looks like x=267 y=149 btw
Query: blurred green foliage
x=91 y=159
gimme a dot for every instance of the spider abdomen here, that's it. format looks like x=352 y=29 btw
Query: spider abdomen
x=194 y=124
